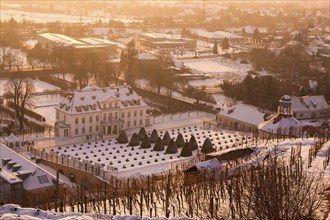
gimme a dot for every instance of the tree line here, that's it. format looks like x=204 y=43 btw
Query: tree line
x=263 y=92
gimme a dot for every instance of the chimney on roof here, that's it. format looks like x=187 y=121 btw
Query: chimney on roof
x=5 y=161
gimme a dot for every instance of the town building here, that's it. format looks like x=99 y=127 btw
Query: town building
x=105 y=111
x=241 y=117
x=310 y=107
x=18 y=176
x=159 y=40
x=283 y=123
x=218 y=36
x=95 y=44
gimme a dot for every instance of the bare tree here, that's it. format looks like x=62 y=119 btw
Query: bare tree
x=20 y=89
x=19 y=57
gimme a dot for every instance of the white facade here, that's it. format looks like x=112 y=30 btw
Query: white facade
x=310 y=107
x=95 y=110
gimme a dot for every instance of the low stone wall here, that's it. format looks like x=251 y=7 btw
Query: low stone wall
x=84 y=172
x=82 y=178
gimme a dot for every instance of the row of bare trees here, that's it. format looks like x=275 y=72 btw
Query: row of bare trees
x=273 y=189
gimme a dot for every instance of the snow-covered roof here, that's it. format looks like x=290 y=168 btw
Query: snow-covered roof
x=309 y=103
x=89 y=99
x=97 y=41
x=249 y=29
x=209 y=165
x=17 y=165
x=311 y=50
x=12 y=138
x=280 y=124
x=9 y=177
x=313 y=84
x=146 y=56
x=293 y=43
x=216 y=34
x=245 y=113
x=2 y=141
x=204 y=66
x=61 y=39
x=157 y=35
x=286 y=98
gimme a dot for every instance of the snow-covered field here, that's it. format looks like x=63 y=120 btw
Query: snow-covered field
x=45 y=106
x=218 y=68
x=40 y=86
x=15 y=212
x=19 y=16
x=130 y=161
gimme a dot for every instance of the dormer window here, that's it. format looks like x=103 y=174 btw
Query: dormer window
x=82 y=98
x=93 y=97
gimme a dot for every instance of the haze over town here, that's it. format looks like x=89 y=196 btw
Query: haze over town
x=164 y=109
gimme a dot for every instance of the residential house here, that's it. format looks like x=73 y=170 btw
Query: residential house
x=18 y=176
x=310 y=107
x=241 y=117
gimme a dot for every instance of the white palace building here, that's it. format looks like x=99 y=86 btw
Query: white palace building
x=95 y=110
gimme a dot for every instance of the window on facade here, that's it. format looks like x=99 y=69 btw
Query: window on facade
x=116 y=115
x=141 y=122
x=141 y=112
x=123 y=115
x=110 y=115
x=110 y=105
x=134 y=122
x=66 y=132
x=115 y=129
x=76 y=131
x=83 y=119
x=128 y=123
x=57 y=115
x=43 y=179
x=90 y=118
x=135 y=113
x=97 y=128
x=104 y=117
x=64 y=118
x=76 y=120
x=116 y=104
x=83 y=130
x=97 y=118
x=90 y=129
x=128 y=114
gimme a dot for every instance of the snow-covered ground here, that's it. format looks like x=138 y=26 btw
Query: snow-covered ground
x=15 y=212
x=40 y=86
x=45 y=106
x=218 y=68
x=130 y=161
x=19 y=16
